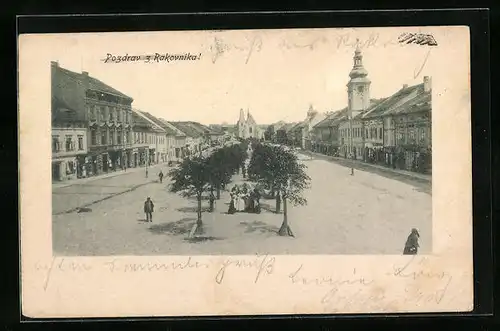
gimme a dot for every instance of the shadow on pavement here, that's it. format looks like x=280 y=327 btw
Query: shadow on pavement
x=202 y=239
x=192 y=209
x=260 y=227
x=269 y=208
x=180 y=227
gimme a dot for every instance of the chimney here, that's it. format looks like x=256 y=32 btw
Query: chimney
x=427 y=84
x=85 y=73
x=405 y=86
x=54 y=64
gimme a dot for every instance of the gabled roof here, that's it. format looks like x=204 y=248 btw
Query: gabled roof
x=93 y=83
x=191 y=129
x=139 y=120
x=173 y=128
x=422 y=102
x=250 y=119
x=332 y=119
x=168 y=130
x=68 y=92
x=152 y=121
x=394 y=101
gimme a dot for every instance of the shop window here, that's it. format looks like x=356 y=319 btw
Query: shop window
x=80 y=142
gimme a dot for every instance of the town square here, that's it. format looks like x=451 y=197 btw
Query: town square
x=352 y=180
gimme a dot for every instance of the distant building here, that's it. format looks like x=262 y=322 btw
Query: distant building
x=247 y=127
x=302 y=131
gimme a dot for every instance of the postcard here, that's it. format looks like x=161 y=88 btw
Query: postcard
x=245 y=172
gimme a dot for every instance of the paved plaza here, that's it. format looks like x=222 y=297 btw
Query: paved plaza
x=362 y=214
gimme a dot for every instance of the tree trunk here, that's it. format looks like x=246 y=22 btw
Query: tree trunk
x=218 y=192
x=273 y=193
x=285 y=228
x=278 y=203
x=198 y=220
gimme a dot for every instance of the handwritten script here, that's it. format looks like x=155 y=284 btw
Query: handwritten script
x=219 y=48
x=342 y=291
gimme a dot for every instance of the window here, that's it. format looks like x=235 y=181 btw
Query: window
x=55 y=144
x=80 y=142
x=366 y=133
x=93 y=137
x=422 y=134
x=69 y=143
x=379 y=133
x=119 y=137
x=360 y=89
x=102 y=113
x=112 y=137
x=103 y=138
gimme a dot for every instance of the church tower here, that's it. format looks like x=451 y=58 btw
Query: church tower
x=241 y=124
x=358 y=88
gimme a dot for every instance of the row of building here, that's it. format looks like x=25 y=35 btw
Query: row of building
x=95 y=130
x=393 y=131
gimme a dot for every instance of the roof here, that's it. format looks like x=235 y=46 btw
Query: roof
x=169 y=130
x=93 y=83
x=192 y=129
x=394 y=101
x=250 y=119
x=332 y=119
x=421 y=102
x=305 y=122
x=68 y=92
x=173 y=128
x=140 y=121
x=287 y=127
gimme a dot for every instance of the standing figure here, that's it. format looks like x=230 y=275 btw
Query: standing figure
x=212 y=201
x=149 y=209
x=411 y=246
x=231 y=209
x=161 y=176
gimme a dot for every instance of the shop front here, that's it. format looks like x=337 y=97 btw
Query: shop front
x=64 y=169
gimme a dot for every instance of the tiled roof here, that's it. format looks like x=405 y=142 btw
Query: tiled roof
x=421 y=102
x=191 y=129
x=173 y=128
x=394 y=101
x=94 y=83
x=140 y=121
x=331 y=119
x=68 y=92
x=158 y=122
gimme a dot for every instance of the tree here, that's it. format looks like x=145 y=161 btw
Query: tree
x=192 y=178
x=280 y=171
x=221 y=168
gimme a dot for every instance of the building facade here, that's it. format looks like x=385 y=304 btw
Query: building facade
x=106 y=114
x=69 y=147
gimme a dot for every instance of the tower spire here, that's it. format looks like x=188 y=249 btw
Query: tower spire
x=242 y=116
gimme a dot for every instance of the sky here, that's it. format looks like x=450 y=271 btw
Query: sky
x=276 y=74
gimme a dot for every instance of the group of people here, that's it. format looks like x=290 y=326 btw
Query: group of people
x=244 y=199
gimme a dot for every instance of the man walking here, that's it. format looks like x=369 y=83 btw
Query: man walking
x=161 y=176
x=149 y=209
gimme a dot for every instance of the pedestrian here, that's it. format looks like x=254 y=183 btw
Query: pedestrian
x=232 y=208
x=411 y=246
x=212 y=201
x=149 y=209
x=161 y=176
